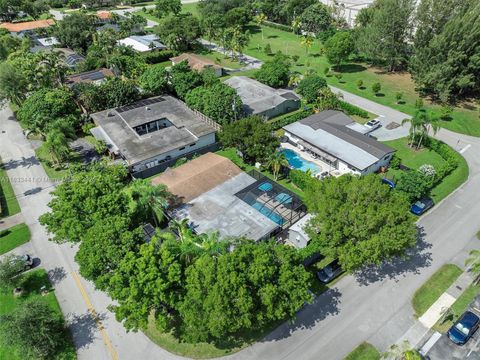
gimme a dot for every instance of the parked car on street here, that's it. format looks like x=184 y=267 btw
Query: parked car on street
x=373 y=124
x=421 y=206
x=464 y=328
x=330 y=272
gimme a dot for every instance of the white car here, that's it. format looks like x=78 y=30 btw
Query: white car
x=373 y=124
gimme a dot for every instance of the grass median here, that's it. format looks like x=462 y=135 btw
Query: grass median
x=12 y=237
x=8 y=202
x=364 y=351
x=434 y=287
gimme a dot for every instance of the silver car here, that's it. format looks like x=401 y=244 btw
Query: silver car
x=373 y=124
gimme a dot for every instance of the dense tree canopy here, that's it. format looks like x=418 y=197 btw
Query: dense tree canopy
x=385 y=34
x=183 y=79
x=316 y=19
x=34 y=328
x=13 y=85
x=11 y=9
x=166 y=7
x=310 y=86
x=339 y=47
x=275 y=72
x=218 y=101
x=414 y=184
x=252 y=136
x=358 y=220
x=154 y=80
x=447 y=49
x=179 y=32
x=76 y=31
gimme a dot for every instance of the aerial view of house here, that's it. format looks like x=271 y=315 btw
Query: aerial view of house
x=142 y=43
x=25 y=27
x=262 y=100
x=198 y=62
x=151 y=132
x=94 y=76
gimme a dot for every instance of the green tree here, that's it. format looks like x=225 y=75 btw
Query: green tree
x=309 y=87
x=42 y=108
x=183 y=79
x=76 y=31
x=376 y=87
x=10 y=267
x=260 y=19
x=339 y=47
x=179 y=32
x=167 y=7
x=316 y=19
x=103 y=245
x=219 y=102
x=358 y=220
x=235 y=40
x=420 y=126
x=92 y=194
x=275 y=72
x=327 y=100
x=386 y=37
x=360 y=84
x=446 y=50
x=13 y=85
x=252 y=136
x=414 y=184
x=56 y=143
x=276 y=162
x=34 y=328
x=398 y=97
x=307 y=42
x=154 y=80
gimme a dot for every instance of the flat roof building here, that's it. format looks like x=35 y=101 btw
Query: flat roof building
x=327 y=136
x=142 y=43
x=153 y=131
x=260 y=99
x=216 y=195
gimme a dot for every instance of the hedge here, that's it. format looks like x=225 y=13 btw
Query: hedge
x=290 y=118
x=447 y=154
x=300 y=178
x=278 y=26
x=156 y=57
x=350 y=109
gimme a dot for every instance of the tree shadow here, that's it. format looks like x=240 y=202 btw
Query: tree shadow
x=56 y=275
x=253 y=29
x=350 y=68
x=416 y=258
x=24 y=162
x=272 y=36
x=83 y=328
x=380 y=95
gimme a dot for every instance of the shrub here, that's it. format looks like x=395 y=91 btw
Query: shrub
x=376 y=87
x=156 y=57
x=291 y=118
x=395 y=162
x=309 y=87
x=350 y=109
x=419 y=103
x=399 y=97
x=267 y=49
x=300 y=178
x=326 y=71
x=359 y=83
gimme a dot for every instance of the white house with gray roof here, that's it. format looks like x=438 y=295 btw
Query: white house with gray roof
x=153 y=132
x=328 y=136
x=143 y=43
x=260 y=99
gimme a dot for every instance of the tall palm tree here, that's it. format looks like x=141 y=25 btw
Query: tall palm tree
x=307 y=41
x=260 y=19
x=296 y=23
x=276 y=162
x=422 y=123
x=415 y=124
x=149 y=199
x=56 y=144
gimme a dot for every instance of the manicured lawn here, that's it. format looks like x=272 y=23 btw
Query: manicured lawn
x=364 y=351
x=452 y=181
x=45 y=159
x=32 y=282
x=8 y=201
x=12 y=237
x=458 y=308
x=465 y=117
x=434 y=287
x=223 y=60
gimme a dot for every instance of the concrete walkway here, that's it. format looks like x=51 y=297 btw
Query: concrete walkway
x=10 y=221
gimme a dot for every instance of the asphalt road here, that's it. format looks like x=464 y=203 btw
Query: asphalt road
x=372 y=306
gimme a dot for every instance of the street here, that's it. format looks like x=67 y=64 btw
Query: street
x=372 y=306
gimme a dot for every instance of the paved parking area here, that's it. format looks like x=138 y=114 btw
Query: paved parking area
x=445 y=349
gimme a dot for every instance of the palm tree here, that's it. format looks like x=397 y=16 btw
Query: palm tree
x=56 y=143
x=307 y=41
x=149 y=199
x=276 y=162
x=415 y=125
x=421 y=123
x=294 y=79
x=260 y=19
x=296 y=23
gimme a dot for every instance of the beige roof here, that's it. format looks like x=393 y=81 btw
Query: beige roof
x=196 y=62
x=27 y=25
x=198 y=176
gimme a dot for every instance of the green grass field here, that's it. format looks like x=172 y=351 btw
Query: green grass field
x=12 y=237
x=434 y=287
x=32 y=282
x=45 y=159
x=364 y=351
x=8 y=202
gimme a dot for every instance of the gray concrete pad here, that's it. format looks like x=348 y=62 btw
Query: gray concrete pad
x=445 y=349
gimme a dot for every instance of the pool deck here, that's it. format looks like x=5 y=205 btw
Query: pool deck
x=322 y=165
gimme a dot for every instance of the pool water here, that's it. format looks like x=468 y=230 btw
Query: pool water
x=268 y=213
x=297 y=162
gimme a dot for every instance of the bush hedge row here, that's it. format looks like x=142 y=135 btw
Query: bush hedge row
x=156 y=57
x=291 y=118
x=447 y=154
x=350 y=109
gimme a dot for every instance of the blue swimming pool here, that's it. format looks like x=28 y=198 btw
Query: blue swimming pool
x=297 y=162
x=268 y=213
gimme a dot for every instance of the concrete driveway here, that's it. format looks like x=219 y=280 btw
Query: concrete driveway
x=444 y=348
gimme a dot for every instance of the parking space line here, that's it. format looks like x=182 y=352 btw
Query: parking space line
x=465 y=149
x=92 y=311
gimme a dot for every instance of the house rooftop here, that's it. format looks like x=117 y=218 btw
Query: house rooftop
x=329 y=131
x=104 y=15
x=257 y=97
x=90 y=76
x=117 y=127
x=143 y=43
x=196 y=62
x=27 y=25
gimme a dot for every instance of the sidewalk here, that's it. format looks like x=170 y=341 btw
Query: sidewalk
x=10 y=221
x=416 y=335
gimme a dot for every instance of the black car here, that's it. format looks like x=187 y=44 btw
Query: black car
x=421 y=206
x=330 y=272
x=464 y=328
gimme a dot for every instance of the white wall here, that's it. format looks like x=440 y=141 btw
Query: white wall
x=203 y=141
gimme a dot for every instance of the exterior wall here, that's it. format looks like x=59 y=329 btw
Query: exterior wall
x=174 y=154
x=283 y=108
x=375 y=167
